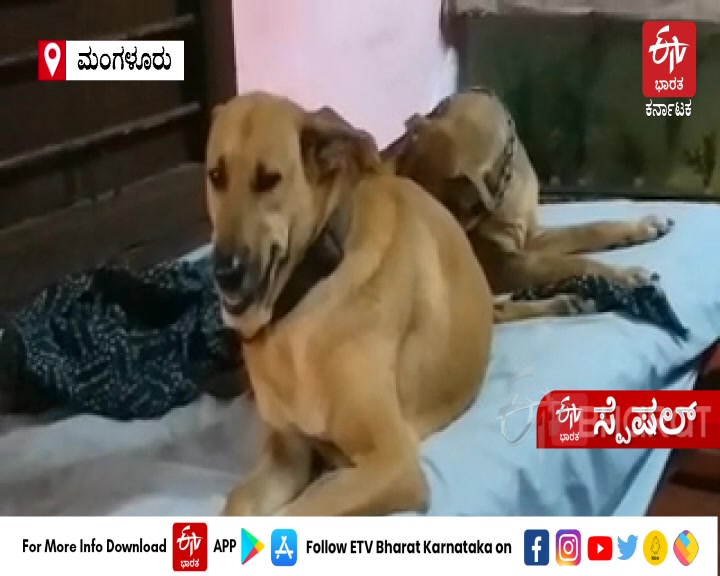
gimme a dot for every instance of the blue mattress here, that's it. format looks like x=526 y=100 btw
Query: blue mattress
x=478 y=467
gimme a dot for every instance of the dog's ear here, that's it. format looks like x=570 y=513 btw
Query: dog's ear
x=416 y=122
x=331 y=147
x=397 y=149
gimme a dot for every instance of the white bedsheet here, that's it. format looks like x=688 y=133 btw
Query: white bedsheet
x=185 y=463
x=182 y=464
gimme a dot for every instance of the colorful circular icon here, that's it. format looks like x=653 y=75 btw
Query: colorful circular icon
x=686 y=547
x=655 y=548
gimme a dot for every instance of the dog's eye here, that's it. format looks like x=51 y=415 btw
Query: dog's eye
x=265 y=180
x=217 y=175
x=460 y=185
x=463 y=196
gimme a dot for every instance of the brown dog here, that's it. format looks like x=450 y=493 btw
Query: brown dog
x=389 y=344
x=466 y=153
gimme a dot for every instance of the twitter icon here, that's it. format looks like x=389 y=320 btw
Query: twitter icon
x=627 y=548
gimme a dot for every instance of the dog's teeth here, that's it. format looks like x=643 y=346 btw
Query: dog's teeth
x=231 y=300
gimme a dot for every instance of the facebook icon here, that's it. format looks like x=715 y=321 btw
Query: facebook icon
x=537 y=547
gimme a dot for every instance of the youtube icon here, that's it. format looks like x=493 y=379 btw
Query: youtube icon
x=600 y=548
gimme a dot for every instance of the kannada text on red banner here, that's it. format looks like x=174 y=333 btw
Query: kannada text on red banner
x=629 y=419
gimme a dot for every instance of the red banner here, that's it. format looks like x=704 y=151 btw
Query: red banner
x=629 y=419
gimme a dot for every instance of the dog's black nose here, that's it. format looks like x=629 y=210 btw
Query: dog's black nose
x=229 y=269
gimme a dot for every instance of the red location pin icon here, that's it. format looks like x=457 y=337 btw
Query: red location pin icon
x=52 y=57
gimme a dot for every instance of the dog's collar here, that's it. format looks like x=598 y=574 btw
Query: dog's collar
x=320 y=260
x=499 y=178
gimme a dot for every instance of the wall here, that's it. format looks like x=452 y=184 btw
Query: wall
x=375 y=61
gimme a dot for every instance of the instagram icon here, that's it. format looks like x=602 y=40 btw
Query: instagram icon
x=567 y=547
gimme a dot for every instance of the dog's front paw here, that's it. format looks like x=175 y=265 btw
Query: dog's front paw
x=653 y=227
x=239 y=503
x=573 y=305
x=232 y=509
x=636 y=276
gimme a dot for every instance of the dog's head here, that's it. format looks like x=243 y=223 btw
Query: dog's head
x=451 y=153
x=275 y=173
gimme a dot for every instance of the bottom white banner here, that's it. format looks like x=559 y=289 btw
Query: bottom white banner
x=312 y=546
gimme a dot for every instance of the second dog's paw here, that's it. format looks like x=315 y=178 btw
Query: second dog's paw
x=573 y=305
x=653 y=227
x=636 y=276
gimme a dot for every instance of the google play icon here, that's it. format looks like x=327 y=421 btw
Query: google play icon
x=249 y=546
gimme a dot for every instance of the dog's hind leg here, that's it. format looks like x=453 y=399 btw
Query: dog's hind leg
x=284 y=470
x=521 y=271
x=558 y=306
x=597 y=236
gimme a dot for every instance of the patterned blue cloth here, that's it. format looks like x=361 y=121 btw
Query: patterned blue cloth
x=646 y=302
x=126 y=345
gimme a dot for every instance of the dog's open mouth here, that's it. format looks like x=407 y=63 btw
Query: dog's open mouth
x=236 y=304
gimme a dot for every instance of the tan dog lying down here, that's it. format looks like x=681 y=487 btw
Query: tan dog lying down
x=390 y=346
x=466 y=153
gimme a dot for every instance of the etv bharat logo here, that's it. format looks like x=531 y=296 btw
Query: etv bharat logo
x=669 y=59
x=190 y=551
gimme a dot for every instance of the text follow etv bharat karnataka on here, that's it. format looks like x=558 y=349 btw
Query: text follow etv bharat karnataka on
x=379 y=546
